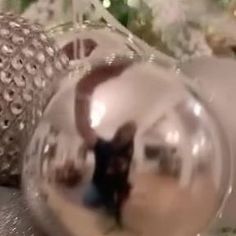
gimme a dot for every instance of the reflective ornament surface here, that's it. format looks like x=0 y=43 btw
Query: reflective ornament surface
x=25 y=87
x=216 y=79
x=128 y=149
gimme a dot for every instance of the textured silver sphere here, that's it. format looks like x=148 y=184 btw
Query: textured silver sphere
x=30 y=70
x=129 y=149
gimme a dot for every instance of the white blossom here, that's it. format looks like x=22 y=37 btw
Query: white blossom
x=172 y=23
x=167 y=12
x=45 y=11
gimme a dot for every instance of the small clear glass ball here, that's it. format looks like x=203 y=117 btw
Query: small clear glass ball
x=128 y=149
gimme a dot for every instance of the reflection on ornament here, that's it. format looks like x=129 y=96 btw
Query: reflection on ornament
x=197 y=109
x=25 y=88
x=98 y=110
x=154 y=154
x=172 y=137
x=216 y=78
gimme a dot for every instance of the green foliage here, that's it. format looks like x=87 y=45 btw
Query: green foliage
x=225 y=3
x=227 y=231
x=121 y=10
x=18 y=5
x=25 y=4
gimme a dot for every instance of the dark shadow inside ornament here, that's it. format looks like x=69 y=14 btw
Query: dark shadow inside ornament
x=68 y=175
x=89 y=45
x=13 y=180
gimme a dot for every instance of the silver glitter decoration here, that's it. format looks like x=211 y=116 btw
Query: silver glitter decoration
x=30 y=69
x=15 y=217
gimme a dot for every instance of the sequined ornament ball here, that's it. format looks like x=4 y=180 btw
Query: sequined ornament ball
x=30 y=69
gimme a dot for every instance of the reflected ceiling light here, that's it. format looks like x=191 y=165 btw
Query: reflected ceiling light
x=197 y=109
x=196 y=149
x=172 y=137
x=98 y=110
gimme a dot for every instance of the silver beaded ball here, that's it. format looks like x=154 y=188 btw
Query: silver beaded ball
x=30 y=69
x=128 y=150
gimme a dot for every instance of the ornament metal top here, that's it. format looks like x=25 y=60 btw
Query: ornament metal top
x=30 y=68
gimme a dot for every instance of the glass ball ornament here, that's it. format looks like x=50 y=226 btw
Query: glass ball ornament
x=128 y=149
x=29 y=75
x=216 y=79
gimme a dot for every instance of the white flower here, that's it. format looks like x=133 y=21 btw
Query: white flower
x=171 y=22
x=45 y=11
x=167 y=12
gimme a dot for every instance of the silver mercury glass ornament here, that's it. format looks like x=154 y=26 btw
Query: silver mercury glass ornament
x=129 y=149
x=30 y=70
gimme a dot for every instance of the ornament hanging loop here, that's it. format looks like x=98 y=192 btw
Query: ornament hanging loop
x=81 y=7
x=149 y=51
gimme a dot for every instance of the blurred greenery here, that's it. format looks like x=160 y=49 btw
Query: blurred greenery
x=121 y=10
x=25 y=4
x=18 y=5
x=226 y=231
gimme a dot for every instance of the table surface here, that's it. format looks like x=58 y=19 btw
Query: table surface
x=15 y=219
x=14 y=216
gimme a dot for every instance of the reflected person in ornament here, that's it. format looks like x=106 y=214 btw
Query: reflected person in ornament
x=110 y=185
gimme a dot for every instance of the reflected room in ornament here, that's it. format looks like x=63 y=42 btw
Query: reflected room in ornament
x=128 y=149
